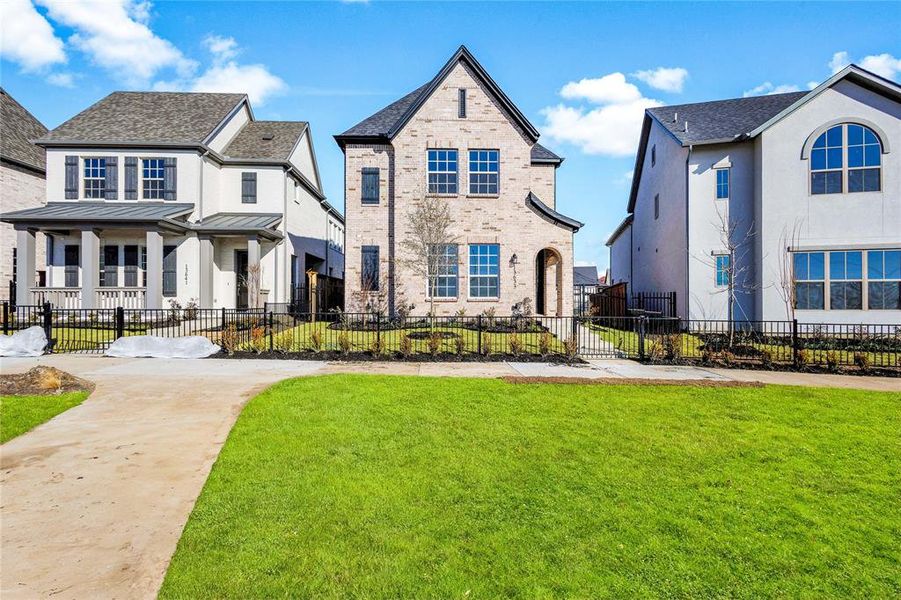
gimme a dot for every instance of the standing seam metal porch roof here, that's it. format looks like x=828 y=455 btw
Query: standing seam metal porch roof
x=100 y=212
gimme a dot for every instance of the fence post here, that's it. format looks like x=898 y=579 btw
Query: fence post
x=642 y=320
x=12 y=294
x=479 y=329
x=120 y=322
x=270 y=322
x=795 y=346
x=378 y=330
x=222 y=326
x=5 y=318
x=48 y=321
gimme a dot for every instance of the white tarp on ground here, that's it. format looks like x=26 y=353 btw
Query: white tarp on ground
x=153 y=346
x=27 y=342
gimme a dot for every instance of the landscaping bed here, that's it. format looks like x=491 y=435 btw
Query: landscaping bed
x=418 y=357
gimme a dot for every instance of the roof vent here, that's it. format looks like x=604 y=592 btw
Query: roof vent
x=675 y=117
x=268 y=136
x=686 y=126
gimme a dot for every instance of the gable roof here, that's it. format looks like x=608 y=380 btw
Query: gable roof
x=273 y=140
x=19 y=128
x=386 y=123
x=585 y=275
x=740 y=119
x=147 y=117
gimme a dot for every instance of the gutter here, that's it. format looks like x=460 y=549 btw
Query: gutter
x=687 y=242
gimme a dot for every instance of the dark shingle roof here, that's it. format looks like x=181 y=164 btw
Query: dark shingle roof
x=384 y=120
x=542 y=154
x=585 y=275
x=265 y=140
x=533 y=202
x=19 y=129
x=722 y=120
x=135 y=117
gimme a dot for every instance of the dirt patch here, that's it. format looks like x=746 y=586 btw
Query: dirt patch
x=42 y=381
x=634 y=381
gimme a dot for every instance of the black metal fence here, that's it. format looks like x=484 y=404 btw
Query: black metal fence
x=280 y=328
x=325 y=296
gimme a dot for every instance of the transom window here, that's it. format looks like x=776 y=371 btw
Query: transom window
x=846 y=157
x=845 y=280
x=722 y=184
x=444 y=282
x=484 y=270
x=152 y=178
x=442 y=171
x=94 y=177
x=810 y=276
x=722 y=270
x=483 y=171
x=884 y=279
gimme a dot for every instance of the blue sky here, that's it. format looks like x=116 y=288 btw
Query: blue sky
x=581 y=72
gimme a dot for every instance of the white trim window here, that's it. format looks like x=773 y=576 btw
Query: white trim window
x=722 y=270
x=809 y=273
x=846 y=158
x=444 y=283
x=864 y=160
x=846 y=280
x=484 y=170
x=94 y=177
x=442 y=171
x=884 y=279
x=723 y=177
x=484 y=271
x=152 y=178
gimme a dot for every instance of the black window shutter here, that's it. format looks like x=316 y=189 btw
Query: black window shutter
x=248 y=188
x=131 y=177
x=169 y=178
x=370 y=185
x=111 y=187
x=170 y=270
x=71 y=178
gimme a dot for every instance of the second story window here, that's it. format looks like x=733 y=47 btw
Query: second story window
x=94 y=177
x=722 y=184
x=152 y=172
x=722 y=270
x=826 y=163
x=442 y=176
x=656 y=206
x=483 y=171
x=248 y=188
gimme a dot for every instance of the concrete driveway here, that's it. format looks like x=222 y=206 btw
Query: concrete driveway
x=94 y=501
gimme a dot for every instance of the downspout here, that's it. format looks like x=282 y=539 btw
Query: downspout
x=687 y=249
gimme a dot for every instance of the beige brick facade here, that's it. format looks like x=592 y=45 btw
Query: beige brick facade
x=19 y=188
x=505 y=219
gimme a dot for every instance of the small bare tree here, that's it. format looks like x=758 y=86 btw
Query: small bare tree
x=788 y=239
x=253 y=282
x=428 y=234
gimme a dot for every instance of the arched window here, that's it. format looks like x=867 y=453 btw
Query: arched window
x=846 y=157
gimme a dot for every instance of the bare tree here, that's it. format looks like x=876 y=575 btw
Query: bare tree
x=253 y=281
x=788 y=239
x=428 y=234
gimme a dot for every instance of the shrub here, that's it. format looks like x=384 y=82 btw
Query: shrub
x=433 y=342
x=406 y=345
x=516 y=344
x=571 y=347
x=316 y=339
x=258 y=339
x=707 y=355
x=377 y=347
x=229 y=339
x=544 y=343
x=284 y=342
x=728 y=358
x=486 y=344
x=489 y=314
x=803 y=357
x=862 y=361
x=672 y=349
x=459 y=345
x=832 y=361
x=344 y=342
x=766 y=357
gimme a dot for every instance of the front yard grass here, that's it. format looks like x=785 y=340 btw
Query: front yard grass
x=19 y=414
x=391 y=487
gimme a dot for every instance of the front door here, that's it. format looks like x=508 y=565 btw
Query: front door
x=240 y=278
x=540 y=281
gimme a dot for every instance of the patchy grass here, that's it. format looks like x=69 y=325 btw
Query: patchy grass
x=390 y=487
x=19 y=414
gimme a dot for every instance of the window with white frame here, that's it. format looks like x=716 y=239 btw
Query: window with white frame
x=94 y=177
x=722 y=270
x=809 y=272
x=152 y=170
x=884 y=279
x=722 y=184
x=443 y=283
x=484 y=270
x=442 y=171
x=845 y=280
x=846 y=157
x=483 y=171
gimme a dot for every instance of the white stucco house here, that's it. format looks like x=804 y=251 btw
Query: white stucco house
x=154 y=197
x=795 y=197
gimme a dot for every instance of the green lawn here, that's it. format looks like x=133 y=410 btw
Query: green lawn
x=390 y=487
x=19 y=414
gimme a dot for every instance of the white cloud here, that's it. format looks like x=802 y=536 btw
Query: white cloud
x=222 y=48
x=116 y=35
x=27 y=38
x=584 y=263
x=612 y=88
x=812 y=84
x=839 y=61
x=667 y=79
x=884 y=65
x=767 y=88
x=66 y=80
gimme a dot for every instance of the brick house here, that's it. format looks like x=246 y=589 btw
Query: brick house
x=22 y=175
x=460 y=138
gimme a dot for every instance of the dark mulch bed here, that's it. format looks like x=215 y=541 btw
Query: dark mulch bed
x=425 y=335
x=756 y=365
x=42 y=381
x=368 y=356
x=631 y=381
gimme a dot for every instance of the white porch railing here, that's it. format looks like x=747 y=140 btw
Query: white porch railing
x=108 y=297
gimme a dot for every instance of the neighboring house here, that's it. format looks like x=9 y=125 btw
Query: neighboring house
x=808 y=186
x=21 y=184
x=458 y=138
x=585 y=283
x=585 y=276
x=159 y=197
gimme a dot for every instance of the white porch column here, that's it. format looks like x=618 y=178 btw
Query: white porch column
x=206 y=272
x=254 y=272
x=90 y=267
x=25 y=265
x=154 y=275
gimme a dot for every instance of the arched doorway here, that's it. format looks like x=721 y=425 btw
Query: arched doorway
x=549 y=282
